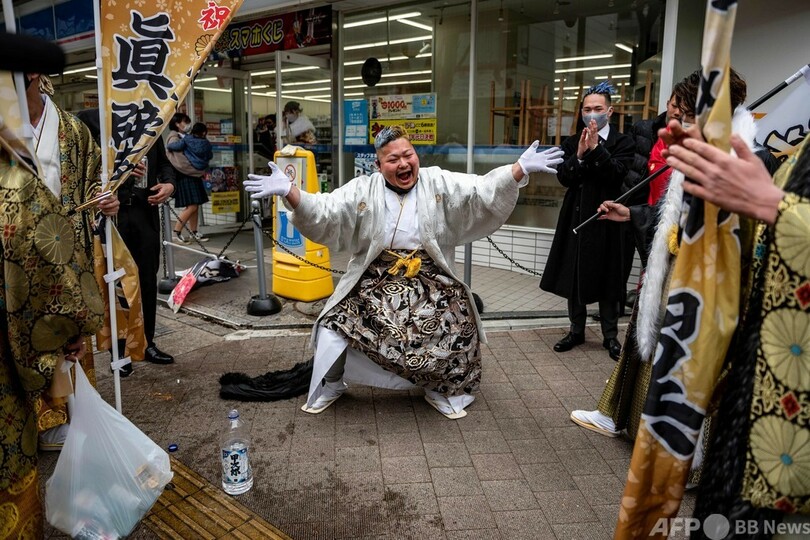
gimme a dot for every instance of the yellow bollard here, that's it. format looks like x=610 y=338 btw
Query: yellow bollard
x=292 y=277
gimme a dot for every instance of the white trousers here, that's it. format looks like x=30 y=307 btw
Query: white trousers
x=360 y=370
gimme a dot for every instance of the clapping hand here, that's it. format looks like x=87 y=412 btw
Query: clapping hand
x=588 y=140
x=261 y=186
x=546 y=161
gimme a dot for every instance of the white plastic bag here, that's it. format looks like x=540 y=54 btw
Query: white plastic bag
x=109 y=473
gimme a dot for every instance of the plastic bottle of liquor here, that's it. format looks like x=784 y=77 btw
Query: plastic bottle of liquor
x=237 y=474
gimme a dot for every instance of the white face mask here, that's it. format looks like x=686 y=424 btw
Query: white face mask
x=686 y=125
x=291 y=117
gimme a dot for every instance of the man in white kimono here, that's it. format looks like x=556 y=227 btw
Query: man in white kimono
x=400 y=317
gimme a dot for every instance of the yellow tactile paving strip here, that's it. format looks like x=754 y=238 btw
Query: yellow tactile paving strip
x=194 y=508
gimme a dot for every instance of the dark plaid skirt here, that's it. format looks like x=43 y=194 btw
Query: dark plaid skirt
x=190 y=190
x=420 y=328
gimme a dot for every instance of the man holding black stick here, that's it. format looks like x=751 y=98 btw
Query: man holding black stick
x=587 y=268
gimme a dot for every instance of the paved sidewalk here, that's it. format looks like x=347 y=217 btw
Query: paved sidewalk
x=384 y=464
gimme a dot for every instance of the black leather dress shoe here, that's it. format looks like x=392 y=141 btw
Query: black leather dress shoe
x=156 y=356
x=570 y=341
x=613 y=346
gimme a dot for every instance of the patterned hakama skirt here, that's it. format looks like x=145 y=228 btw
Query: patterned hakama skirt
x=421 y=328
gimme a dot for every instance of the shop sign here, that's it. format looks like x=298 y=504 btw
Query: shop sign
x=355 y=114
x=403 y=106
x=225 y=202
x=286 y=32
x=420 y=130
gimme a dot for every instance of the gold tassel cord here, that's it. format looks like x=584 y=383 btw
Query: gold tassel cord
x=410 y=264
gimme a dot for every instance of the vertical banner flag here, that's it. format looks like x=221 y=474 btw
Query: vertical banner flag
x=150 y=52
x=783 y=129
x=701 y=315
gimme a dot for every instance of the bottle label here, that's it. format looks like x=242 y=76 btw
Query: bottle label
x=235 y=466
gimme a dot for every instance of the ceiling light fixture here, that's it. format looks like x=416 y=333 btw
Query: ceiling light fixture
x=624 y=47
x=79 y=70
x=392 y=59
x=592 y=68
x=382 y=19
x=416 y=24
x=383 y=43
x=589 y=57
x=500 y=13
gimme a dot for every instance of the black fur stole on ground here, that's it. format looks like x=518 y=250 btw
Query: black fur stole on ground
x=272 y=386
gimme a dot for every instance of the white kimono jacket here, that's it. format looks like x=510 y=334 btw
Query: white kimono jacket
x=453 y=209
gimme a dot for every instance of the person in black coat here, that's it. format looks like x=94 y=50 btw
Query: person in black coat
x=139 y=226
x=588 y=267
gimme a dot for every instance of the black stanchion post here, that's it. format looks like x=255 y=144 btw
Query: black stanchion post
x=263 y=303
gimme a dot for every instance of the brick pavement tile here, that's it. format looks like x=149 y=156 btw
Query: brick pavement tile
x=548 y=476
x=519 y=428
x=509 y=408
x=312 y=449
x=581 y=531
x=485 y=442
x=509 y=355
x=497 y=467
x=353 y=411
x=497 y=391
x=348 y=435
x=583 y=462
x=493 y=374
x=405 y=470
x=620 y=467
x=362 y=521
x=567 y=438
x=360 y=486
x=477 y=421
x=610 y=447
x=509 y=495
x=447 y=454
x=572 y=403
x=585 y=366
x=556 y=372
x=524 y=525
x=455 y=481
x=429 y=526
x=358 y=459
x=500 y=340
x=400 y=444
x=480 y=403
x=440 y=431
x=316 y=475
x=310 y=425
x=397 y=404
x=567 y=388
x=481 y=534
x=518 y=367
x=466 y=513
x=566 y=507
x=544 y=357
x=411 y=499
x=528 y=381
x=608 y=514
x=594 y=378
x=397 y=423
x=539 y=398
x=312 y=530
x=600 y=488
x=533 y=451
x=551 y=417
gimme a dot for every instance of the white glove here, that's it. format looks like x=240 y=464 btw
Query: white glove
x=546 y=161
x=260 y=186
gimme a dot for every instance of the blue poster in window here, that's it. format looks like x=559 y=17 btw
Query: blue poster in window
x=355 y=115
x=424 y=104
x=39 y=24
x=73 y=18
x=288 y=235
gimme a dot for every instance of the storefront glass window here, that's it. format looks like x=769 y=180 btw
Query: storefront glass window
x=533 y=60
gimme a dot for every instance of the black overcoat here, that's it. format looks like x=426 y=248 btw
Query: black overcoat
x=588 y=266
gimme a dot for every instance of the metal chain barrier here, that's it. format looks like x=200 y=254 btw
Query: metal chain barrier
x=269 y=234
x=202 y=247
x=511 y=260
